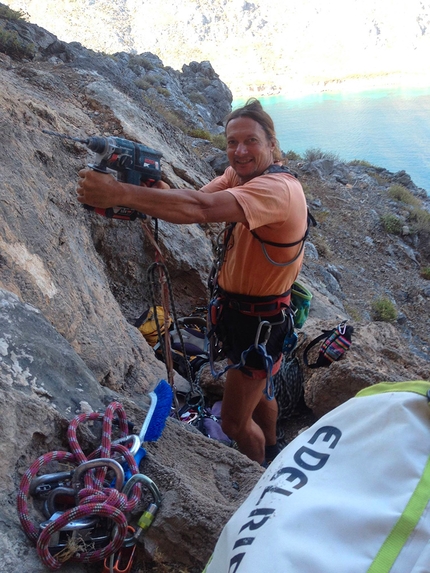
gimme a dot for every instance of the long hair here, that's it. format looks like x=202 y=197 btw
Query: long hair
x=254 y=110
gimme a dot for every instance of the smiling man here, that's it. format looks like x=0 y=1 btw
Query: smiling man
x=261 y=258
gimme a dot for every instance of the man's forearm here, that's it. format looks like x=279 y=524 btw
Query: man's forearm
x=182 y=206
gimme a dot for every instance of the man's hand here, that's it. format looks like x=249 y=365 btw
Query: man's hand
x=156 y=185
x=97 y=189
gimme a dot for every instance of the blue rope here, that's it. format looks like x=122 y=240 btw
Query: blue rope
x=269 y=390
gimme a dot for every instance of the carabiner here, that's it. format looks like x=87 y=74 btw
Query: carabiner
x=148 y=515
x=342 y=327
x=122 y=561
x=58 y=541
x=133 y=439
x=92 y=464
x=41 y=485
x=266 y=334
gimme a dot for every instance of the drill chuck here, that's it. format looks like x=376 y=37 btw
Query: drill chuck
x=96 y=144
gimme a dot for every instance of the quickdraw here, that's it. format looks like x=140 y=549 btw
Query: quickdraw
x=81 y=504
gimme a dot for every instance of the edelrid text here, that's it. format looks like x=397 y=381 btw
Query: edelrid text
x=307 y=460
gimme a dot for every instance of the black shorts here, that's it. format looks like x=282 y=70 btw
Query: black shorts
x=237 y=332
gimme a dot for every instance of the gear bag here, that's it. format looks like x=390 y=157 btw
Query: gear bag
x=349 y=494
x=300 y=303
x=335 y=343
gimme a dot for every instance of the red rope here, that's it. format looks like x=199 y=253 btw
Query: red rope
x=94 y=499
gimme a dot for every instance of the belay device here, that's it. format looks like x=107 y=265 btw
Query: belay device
x=132 y=162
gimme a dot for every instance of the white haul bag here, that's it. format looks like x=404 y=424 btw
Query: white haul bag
x=348 y=495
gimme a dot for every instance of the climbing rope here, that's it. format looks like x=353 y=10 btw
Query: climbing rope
x=158 y=274
x=95 y=499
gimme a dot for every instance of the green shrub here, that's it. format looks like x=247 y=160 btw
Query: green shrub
x=199 y=134
x=142 y=83
x=163 y=91
x=392 y=224
x=9 y=14
x=13 y=46
x=169 y=116
x=360 y=162
x=384 y=310
x=197 y=97
x=292 y=155
x=401 y=193
x=420 y=219
x=425 y=273
x=315 y=153
x=220 y=141
x=141 y=62
x=353 y=312
x=322 y=247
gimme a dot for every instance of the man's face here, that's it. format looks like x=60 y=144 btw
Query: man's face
x=248 y=149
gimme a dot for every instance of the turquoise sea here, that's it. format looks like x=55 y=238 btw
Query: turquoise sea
x=387 y=127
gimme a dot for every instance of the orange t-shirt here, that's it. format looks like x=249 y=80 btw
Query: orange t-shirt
x=275 y=207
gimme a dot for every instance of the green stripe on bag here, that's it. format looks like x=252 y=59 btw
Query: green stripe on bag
x=409 y=519
x=417 y=386
x=400 y=533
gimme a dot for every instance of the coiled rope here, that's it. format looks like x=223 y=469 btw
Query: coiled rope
x=94 y=499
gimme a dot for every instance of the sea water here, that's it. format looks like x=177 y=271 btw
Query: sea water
x=388 y=128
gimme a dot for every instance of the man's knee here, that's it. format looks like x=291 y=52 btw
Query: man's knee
x=232 y=427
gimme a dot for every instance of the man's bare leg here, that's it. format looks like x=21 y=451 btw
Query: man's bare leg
x=242 y=395
x=266 y=415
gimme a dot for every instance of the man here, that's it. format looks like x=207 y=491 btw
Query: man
x=258 y=269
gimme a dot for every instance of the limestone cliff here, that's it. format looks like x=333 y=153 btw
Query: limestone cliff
x=72 y=283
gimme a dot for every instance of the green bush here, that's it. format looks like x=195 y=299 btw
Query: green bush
x=13 y=46
x=200 y=134
x=315 y=153
x=197 y=97
x=9 y=14
x=220 y=141
x=142 y=83
x=140 y=62
x=384 y=310
x=292 y=155
x=169 y=115
x=401 y=193
x=163 y=91
x=420 y=219
x=360 y=162
x=425 y=273
x=392 y=224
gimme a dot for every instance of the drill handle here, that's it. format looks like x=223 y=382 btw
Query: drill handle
x=100 y=167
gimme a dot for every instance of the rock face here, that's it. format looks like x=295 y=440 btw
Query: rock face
x=73 y=283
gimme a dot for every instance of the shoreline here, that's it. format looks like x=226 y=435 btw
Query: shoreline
x=303 y=88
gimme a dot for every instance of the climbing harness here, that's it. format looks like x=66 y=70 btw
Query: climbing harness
x=262 y=336
x=85 y=507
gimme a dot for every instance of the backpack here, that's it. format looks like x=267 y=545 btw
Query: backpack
x=147 y=324
x=350 y=494
x=188 y=346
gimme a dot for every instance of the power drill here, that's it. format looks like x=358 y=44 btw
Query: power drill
x=132 y=162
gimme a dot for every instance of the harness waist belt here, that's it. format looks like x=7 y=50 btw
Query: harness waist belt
x=254 y=305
